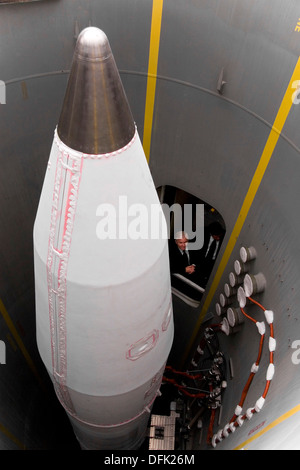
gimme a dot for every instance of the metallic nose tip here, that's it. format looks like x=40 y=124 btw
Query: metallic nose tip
x=92 y=44
x=95 y=117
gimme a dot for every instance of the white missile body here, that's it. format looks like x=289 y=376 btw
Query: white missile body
x=103 y=296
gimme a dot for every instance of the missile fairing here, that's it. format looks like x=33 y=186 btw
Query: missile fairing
x=103 y=303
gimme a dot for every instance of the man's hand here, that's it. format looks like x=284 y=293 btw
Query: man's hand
x=190 y=269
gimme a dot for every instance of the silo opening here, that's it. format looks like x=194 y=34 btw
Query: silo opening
x=196 y=231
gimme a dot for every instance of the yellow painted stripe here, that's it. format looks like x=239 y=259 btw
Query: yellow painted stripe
x=271 y=426
x=157 y=8
x=12 y=437
x=19 y=342
x=277 y=127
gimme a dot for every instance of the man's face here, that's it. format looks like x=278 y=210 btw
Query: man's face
x=181 y=243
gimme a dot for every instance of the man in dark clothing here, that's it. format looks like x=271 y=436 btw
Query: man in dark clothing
x=181 y=259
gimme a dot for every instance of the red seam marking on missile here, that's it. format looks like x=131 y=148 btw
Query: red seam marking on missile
x=51 y=290
x=61 y=280
x=145 y=410
x=155 y=383
x=70 y=210
x=50 y=260
x=144 y=345
x=62 y=146
x=57 y=318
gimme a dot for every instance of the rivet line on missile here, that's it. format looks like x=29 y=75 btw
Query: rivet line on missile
x=62 y=147
x=58 y=324
x=94 y=59
x=147 y=409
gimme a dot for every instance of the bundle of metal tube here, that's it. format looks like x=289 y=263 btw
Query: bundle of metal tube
x=103 y=296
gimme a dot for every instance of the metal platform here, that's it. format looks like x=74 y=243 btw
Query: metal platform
x=162 y=432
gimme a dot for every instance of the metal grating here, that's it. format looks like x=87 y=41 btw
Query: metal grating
x=162 y=432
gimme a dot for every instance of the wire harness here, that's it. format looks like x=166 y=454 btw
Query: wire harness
x=239 y=417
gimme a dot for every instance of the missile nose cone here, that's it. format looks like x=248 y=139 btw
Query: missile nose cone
x=95 y=117
x=93 y=45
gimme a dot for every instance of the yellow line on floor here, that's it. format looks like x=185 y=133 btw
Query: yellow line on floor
x=270 y=426
x=19 y=341
x=11 y=437
x=157 y=8
x=274 y=135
